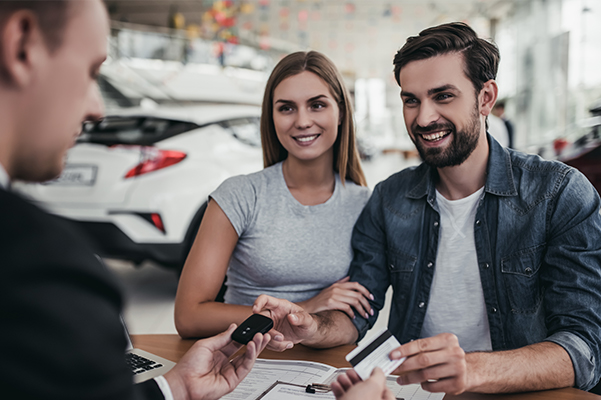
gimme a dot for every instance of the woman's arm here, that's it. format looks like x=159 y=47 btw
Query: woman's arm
x=196 y=312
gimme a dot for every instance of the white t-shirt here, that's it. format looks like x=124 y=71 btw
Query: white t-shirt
x=456 y=302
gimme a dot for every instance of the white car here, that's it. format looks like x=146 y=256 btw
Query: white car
x=138 y=182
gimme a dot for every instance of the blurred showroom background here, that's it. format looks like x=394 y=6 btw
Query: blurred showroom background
x=172 y=60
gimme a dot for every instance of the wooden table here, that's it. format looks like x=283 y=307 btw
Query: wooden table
x=172 y=347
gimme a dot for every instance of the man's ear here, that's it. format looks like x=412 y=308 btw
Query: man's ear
x=20 y=48
x=488 y=97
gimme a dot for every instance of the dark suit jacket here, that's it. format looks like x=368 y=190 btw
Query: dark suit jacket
x=60 y=335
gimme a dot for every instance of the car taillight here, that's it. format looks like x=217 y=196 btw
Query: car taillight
x=154 y=218
x=155 y=159
x=157 y=221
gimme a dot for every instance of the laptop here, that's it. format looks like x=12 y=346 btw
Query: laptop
x=144 y=365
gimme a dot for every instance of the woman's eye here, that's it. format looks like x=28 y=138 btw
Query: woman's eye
x=318 y=106
x=285 y=108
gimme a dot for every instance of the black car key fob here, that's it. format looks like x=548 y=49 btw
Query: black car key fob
x=254 y=324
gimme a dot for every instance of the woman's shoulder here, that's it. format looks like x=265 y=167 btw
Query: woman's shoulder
x=252 y=182
x=266 y=174
x=354 y=192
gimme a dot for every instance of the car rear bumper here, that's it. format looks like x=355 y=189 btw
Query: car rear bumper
x=109 y=241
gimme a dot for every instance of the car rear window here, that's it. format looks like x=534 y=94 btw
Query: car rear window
x=134 y=130
x=245 y=129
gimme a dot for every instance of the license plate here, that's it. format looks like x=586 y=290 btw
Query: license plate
x=76 y=175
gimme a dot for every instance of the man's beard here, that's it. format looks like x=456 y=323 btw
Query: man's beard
x=461 y=147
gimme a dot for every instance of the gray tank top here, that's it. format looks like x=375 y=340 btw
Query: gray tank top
x=286 y=249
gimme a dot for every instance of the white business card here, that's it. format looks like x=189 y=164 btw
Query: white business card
x=375 y=354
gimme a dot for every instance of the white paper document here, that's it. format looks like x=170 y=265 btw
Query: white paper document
x=265 y=373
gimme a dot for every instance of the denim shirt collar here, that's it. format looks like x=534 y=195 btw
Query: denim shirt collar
x=499 y=180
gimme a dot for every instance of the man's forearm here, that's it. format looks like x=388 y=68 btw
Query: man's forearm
x=539 y=366
x=334 y=328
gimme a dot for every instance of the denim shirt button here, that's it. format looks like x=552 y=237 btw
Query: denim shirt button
x=436 y=223
x=391 y=266
x=421 y=304
x=430 y=265
x=486 y=265
x=494 y=310
x=478 y=223
x=528 y=270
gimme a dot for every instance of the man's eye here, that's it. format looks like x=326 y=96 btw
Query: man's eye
x=409 y=102
x=443 y=96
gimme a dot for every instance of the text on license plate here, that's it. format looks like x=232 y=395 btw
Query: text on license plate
x=76 y=175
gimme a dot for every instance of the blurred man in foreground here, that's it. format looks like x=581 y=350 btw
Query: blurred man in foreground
x=61 y=335
x=494 y=256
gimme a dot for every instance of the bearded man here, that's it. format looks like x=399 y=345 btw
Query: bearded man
x=493 y=255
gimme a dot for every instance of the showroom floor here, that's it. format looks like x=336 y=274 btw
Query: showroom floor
x=150 y=290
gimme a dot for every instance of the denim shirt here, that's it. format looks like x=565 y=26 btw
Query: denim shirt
x=538 y=242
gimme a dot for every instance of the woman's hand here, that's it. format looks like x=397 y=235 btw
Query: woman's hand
x=342 y=295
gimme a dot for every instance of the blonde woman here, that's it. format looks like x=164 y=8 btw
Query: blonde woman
x=284 y=231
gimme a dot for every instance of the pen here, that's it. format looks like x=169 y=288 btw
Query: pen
x=318 y=387
x=322 y=386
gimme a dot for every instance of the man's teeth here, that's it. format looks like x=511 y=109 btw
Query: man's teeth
x=306 y=138
x=435 y=135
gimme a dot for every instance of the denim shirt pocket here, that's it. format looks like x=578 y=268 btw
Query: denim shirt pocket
x=400 y=267
x=522 y=281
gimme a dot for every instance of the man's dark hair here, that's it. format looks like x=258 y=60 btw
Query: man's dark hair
x=481 y=58
x=52 y=16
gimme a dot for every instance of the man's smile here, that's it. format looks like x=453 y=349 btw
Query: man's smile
x=435 y=136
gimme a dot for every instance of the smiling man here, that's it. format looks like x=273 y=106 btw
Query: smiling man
x=494 y=256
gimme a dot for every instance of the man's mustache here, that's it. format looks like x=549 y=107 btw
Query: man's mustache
x=421 y=130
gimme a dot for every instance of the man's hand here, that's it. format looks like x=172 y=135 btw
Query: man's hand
x=205 y=372
x=292 y=324
x=341 y=295
x=350 y=387
x=437 y=363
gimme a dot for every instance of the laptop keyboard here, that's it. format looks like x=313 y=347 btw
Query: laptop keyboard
x=139 y=364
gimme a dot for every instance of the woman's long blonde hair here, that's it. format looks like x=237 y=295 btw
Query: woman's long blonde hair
x=346 y=156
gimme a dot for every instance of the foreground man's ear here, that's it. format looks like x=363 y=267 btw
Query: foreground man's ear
x=22 y=46
x=488 y=97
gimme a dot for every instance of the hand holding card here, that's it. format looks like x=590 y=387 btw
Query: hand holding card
x=374 y=354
